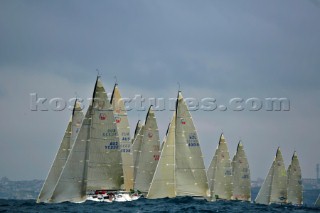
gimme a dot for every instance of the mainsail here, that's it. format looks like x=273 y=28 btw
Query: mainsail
x=274 y=188
x=241 y=175
x=220 y=172
x=181 y=154
x=62 y=154
x=95 y=159
x=279 y=182
x=105 y=162
x=148 y=154
x=121 y=119
x=294 y=182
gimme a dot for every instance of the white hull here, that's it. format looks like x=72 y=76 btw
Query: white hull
x=116 y=197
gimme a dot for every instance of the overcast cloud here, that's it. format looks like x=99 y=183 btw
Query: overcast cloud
x=218 y=49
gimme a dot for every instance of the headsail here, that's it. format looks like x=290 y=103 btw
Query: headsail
x=190 y=174
x=163 y=182
x=295 y=196
x=148 y=155
x=71 y=183
x=221 y=181
x=62 y=154
x=121 y=119
x=274 y=188
x=241 y=175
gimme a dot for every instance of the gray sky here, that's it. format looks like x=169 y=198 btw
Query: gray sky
x=218 y=49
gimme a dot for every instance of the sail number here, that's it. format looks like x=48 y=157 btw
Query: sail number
x=112 y=145
x=125 y=148
x=110 y=133
x=192 y=140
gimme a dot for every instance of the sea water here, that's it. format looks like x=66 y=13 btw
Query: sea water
x=182 y=204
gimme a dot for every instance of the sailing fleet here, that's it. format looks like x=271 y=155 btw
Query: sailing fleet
x=98 y=160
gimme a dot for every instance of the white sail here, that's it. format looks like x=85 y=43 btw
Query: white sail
x=163 y=182
x=241 y=175
x=279 y=182
x=263 y=196
x=274 y=188
x=317 y=203
x=210 y=175
x=121 y=119
x=104 y=162
x=190 y=174
x=295 y=195
x=71 y=183
x=136 y=149
x=222 y=173
x=148 y=155
x=62 y=154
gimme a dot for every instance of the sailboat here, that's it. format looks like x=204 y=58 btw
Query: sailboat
x=317 y=203
x=94 y=162
x=62 y=154
x=220 y=173
x=294 y=183
x=241 y=175
x=180 y=171
x=146 y=153
x=122 y=123
x=274 y=188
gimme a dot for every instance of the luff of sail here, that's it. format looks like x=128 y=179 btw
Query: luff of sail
x=317 y=203
x=104 y=162
x=62 y=154
x=190 y=174
x=279 y=182
x=241 y=175
x=148 y=155
x=136 y=131
x=221 y=185
x=295 y=196
x=163 y=182
x=121 y=119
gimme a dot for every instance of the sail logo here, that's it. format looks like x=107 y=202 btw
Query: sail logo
x=183 y=121
x=118 y=119
x=156 y=157
x=102 y=116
